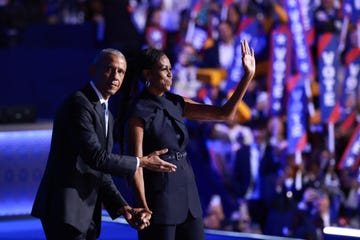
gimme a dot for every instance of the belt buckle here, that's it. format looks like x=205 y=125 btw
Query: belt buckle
x=178 y=155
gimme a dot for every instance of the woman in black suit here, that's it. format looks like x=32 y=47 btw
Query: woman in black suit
x=157 y=122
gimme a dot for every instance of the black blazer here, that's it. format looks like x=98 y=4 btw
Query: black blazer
x=242 y=169
x=77 y=179
x=211 y=57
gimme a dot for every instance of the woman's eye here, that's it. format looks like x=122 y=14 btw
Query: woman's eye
x=166 y=69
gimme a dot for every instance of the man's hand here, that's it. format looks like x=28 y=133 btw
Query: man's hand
x=138 y=218
x=154 y=163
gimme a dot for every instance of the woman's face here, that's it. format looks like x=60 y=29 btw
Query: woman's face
x=160 y=76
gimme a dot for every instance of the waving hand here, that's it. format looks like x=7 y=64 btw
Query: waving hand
x=248 y=58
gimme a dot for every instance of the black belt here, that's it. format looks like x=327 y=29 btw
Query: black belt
x=174 y=155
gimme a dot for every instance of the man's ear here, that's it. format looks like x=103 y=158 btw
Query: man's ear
x=92 y=71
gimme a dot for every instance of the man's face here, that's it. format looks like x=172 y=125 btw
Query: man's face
x=259 y=135
x=225 y=32
x=109 y=74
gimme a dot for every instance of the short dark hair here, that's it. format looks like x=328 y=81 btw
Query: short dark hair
x=149 y=57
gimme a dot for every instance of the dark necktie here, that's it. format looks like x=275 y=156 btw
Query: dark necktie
x=106 y=115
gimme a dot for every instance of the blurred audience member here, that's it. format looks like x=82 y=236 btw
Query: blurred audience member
x=185 y=69
x=215 y=218
x=252 y=165
x=223 y=142
x=170 y=13
x=209 y=94
x=278 y=140
x=327 y=17
x=282 y=203
x=306 y=226
x=260 y=112
x=155 y=34
x=234 y=16
x=350 y=208
x=324 y=211
x=313 y=214
x=221 y=55
x=241 y=220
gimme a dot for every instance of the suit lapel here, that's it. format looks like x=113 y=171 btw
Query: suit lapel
x=94 y=99
x=109 y=140
x=100 y=111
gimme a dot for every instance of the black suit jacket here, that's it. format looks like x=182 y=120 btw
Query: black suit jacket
x=211 y=57
x=77 y=181
x=242 y=169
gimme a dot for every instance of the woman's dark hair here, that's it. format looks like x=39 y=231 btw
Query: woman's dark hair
x=149 y=57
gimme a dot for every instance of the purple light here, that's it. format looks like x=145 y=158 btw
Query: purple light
x=23 y=156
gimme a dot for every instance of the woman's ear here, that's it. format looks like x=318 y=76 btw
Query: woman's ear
x=146 y=73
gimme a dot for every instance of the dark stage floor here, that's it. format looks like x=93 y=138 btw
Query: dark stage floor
x=30 y=229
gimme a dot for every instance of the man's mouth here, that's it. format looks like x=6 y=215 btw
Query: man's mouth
x=114 y=84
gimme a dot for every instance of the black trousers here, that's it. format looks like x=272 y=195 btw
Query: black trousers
x=191 y=229
x=61 y=231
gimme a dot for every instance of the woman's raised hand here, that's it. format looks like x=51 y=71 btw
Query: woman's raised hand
x=248 y=58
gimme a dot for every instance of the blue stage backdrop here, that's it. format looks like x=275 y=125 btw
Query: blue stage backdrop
x=23 y=155
x=42 y=77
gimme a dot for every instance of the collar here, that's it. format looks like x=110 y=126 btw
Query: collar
x=101 y=98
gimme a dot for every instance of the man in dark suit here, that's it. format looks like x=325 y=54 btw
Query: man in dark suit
x=254 y=166
x=77 y=181
x=221 y=54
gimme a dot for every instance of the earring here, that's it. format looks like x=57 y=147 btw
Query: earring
x=147 y=83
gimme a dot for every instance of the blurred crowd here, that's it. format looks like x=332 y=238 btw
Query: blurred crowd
x=256 y=185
